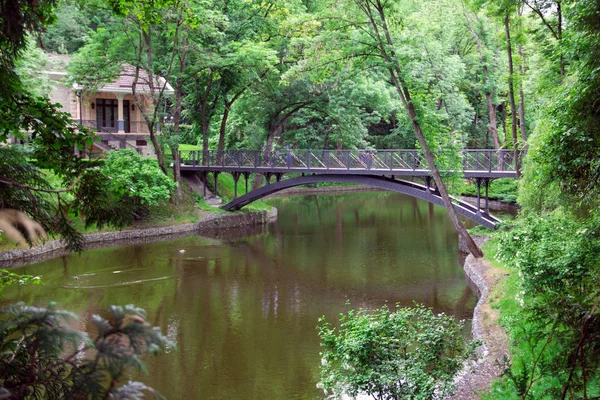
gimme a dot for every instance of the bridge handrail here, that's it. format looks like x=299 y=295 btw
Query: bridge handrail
x=380 y=160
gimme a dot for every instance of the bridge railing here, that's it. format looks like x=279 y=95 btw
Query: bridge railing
x=319 y=160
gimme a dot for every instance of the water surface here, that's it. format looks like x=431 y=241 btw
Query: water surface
x=243 y=311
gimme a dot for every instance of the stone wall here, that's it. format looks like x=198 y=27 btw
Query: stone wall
x=207 y=224
x=476 y=378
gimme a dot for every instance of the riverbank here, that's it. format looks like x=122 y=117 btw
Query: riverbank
x=488 y=279
x=494 y=205
x=207 y=224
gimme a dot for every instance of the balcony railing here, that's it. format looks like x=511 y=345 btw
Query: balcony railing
x=136 y=127
x=101 y=126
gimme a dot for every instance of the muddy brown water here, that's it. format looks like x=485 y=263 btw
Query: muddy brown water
x=242 y=310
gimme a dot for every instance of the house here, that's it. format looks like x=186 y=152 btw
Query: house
x=111 y=111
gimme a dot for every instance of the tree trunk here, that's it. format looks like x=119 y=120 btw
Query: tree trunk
x=177 y=119
x=275 y=130
x=222 y=129
x=206 y=111
x=522 y=97
x=429 y=156
x=503 y=104
x=404 y=93
x=511 y=94
x=228 y=104
x=157 y=146
x=205 y=129
x=559 y=36
x=493 y=127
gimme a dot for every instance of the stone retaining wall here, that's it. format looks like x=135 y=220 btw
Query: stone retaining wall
x=208 y=223
x=476 y=379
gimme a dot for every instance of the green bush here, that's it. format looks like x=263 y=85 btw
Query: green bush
x=131 y=175
x=409 y=353
x=553 y=318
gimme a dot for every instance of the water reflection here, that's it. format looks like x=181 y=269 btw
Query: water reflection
x=243 y=310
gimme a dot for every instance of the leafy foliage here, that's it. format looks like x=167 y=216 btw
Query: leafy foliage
x=132 y=176
x=70 y=31
x=562 y=166
x=558 y=263
x=41 y=357
x=8 y=278
x=407 y=353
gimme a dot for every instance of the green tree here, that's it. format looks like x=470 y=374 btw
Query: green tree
x=244 y=47
x=479 y=27
x=562 y=165
x=26 y=187
x=69 y=33
x=409 y=353
x=383 y=31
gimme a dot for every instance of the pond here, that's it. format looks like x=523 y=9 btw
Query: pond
x=243 y=310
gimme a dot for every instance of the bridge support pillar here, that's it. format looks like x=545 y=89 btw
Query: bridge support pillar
x=268 y=176
x=487 y=199
x=278 y=177
x=236 y=178
x=478 y=182
x=246 y=177
x=204 y=175
x=216 y=176
x=428 y=184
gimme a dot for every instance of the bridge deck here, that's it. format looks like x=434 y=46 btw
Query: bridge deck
x=343 y=171
x=475 y=163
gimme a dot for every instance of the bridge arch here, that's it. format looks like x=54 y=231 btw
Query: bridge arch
x=416 y=190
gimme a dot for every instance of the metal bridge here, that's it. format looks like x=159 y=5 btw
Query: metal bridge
x=377 y=168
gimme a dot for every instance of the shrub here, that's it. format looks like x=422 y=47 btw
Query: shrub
x=409 y=353
x=558 y=261
x=131 y=175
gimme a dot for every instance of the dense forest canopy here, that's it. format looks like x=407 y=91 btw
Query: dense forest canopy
x=307 y=75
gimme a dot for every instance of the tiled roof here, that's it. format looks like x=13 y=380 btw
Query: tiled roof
x=127 y=77
x=124 y=82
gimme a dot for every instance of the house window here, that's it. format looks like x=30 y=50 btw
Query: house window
x=107 y=115
x=141 y=143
